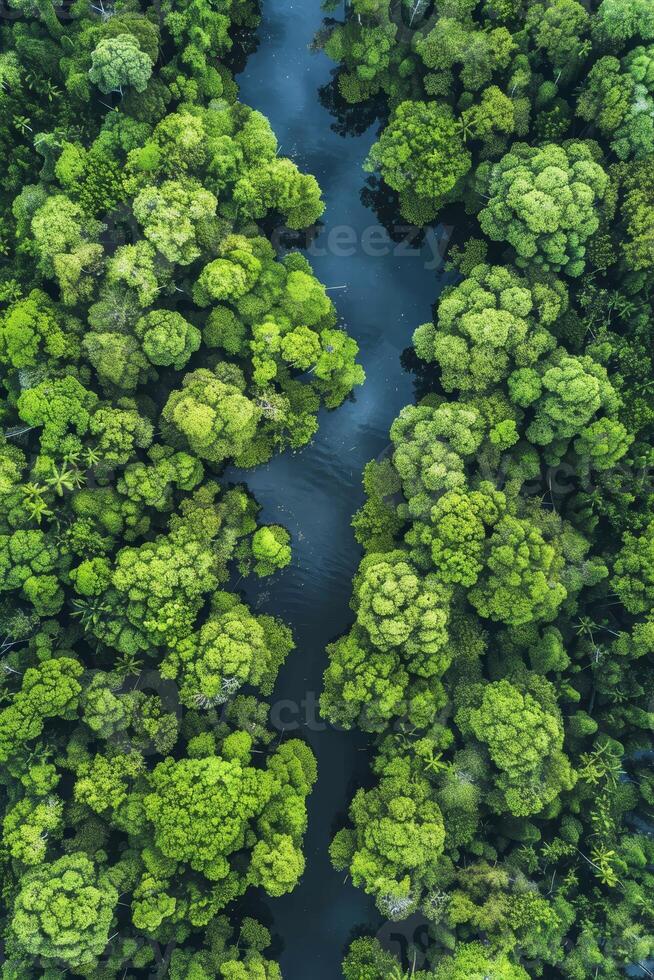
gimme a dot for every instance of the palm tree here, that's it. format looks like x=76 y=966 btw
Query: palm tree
x=397 y=973
x=22 y=123
x=89 y=611
x=51 y=91
x=434 y=763
x=467 y=124
x=64 y=478
x=128 y=663
x=585 y=49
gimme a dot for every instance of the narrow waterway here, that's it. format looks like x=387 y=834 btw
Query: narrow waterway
x=382 y=290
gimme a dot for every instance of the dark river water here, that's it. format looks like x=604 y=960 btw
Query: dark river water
x=382 y=289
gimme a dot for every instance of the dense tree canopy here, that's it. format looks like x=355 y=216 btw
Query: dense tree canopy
x=150 y=333
x=500 y=653
x=516 y=499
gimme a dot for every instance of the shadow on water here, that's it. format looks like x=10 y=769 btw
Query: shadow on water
x=382 y=288
x=349 y=120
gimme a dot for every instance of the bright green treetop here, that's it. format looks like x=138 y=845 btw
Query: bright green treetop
x=63 y=912
x=227 y=652
x=544 y=202
x=633 y=571
x=490 y=323
x=421 y=154
x=119 y=61
x=522 y=580
x=201 y=809
x=399 y=607
x=523 y=732
x=210 y=416
x=397 y=839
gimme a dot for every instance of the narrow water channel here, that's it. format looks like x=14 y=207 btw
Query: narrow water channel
x=381 y=294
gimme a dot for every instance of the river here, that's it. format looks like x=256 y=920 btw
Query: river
x=382 y=290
